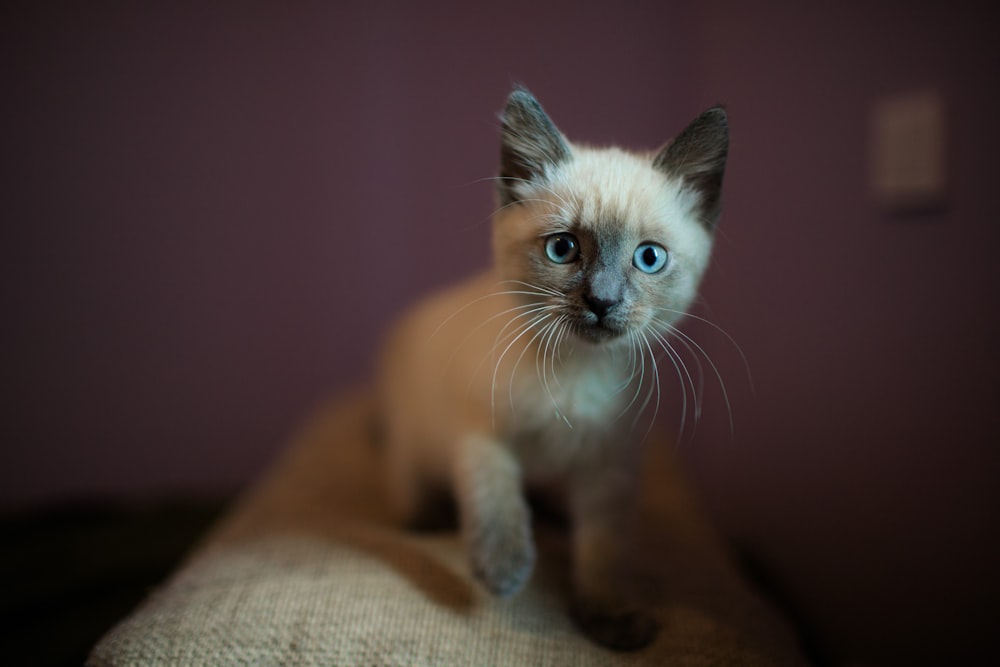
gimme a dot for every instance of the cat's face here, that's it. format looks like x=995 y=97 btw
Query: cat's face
x=611 y=243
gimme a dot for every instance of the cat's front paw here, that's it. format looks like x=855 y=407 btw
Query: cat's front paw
x=621 y=629
x=502 y=559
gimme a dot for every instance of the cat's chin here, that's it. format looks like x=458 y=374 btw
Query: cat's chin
x=598 y=334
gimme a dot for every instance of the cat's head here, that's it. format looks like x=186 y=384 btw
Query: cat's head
x=615 y=242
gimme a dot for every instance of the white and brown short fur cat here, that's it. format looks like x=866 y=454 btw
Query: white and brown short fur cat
x=533 y=374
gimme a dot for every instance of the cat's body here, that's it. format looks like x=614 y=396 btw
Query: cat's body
x=533 y=374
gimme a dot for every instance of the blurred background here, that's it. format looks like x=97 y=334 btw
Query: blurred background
x=211 y=213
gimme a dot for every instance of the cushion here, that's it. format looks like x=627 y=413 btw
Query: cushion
x=308 y=569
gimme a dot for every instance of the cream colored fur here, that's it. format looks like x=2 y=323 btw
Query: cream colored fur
x=441 y=371
x=489 y=387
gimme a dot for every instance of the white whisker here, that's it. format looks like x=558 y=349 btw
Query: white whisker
x=732 y=341
x=682 y=372
x=698 y=385
x=489 y=296
x=502 y=337
x=715 y=369
x=544 y=187
x=539 y=334
x=649 y=394
x=540 y=365
x=529 y=308
x=634 y=340
x=499 y=361
x=547 y=291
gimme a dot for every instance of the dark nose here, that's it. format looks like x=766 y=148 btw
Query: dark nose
x=600 y=306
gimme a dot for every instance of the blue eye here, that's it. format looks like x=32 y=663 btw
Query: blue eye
x=562 y=248
x=650 y=258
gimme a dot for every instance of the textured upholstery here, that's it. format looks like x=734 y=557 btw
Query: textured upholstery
x=308 y=570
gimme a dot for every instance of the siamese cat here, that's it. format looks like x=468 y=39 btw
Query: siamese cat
x=534 y=374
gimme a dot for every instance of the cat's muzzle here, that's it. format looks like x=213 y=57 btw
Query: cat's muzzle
x=594 y=329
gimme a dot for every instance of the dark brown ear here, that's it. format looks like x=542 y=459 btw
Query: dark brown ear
x=698 y=157
x=531 y=144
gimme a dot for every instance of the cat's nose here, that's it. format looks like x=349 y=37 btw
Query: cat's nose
x=599 y=305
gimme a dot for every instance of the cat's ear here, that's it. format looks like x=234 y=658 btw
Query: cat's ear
x=698 y=158
x=531 y=144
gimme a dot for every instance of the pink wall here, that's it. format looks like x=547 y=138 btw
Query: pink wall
x=209 y=215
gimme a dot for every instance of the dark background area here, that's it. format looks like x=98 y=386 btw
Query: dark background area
x=210 y=214
x=71 y=571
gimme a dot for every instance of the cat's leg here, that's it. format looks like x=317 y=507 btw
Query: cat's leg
x=603 y=510
x=495 y=519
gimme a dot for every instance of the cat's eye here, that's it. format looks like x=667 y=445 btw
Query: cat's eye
x=650 y=258
x=562 y=248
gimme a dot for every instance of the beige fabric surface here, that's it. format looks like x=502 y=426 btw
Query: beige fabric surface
x=308 y=570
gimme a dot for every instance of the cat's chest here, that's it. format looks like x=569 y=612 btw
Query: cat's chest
x=583 y=400
x=555 y=420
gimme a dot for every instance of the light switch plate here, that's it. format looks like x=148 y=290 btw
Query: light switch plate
x=908 y=145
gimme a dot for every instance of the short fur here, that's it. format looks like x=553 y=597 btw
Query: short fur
x=534 y=374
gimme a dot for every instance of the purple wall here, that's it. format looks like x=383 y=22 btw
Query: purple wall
x=865 y=463
x=209 y=216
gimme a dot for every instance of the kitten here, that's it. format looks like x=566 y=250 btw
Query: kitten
x=535 y=373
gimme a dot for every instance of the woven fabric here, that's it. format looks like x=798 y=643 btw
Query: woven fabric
x=308 y=570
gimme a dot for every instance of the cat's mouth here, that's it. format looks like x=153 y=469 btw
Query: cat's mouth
x=599 y=331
